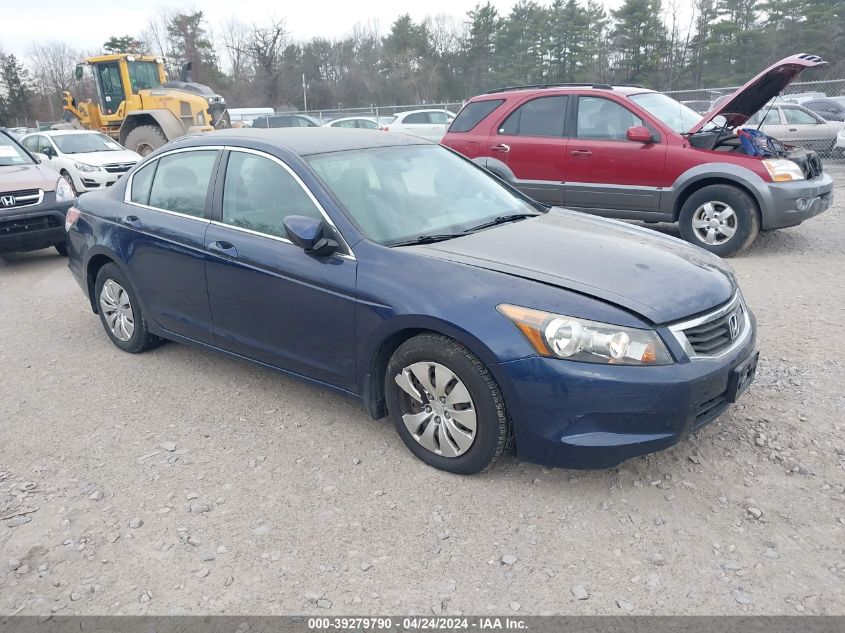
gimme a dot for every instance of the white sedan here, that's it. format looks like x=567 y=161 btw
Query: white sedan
x=86 y=159
x=430 y=124
x=358 y=122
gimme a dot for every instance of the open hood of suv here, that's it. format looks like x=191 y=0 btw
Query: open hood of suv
x=748 y=99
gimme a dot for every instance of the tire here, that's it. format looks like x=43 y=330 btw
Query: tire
x=69 y=181
x=715 y=201
x=446 y=426
x=140 y=339
x=145 y=139
x=62 y=249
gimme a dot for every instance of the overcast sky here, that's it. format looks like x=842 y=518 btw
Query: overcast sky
x=85 y=25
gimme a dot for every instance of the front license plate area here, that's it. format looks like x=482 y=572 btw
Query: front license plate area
x=742 y=376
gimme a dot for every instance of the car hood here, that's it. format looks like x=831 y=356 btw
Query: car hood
x=751 y=97
x=106 y=158
x=658 y=277
x=18 y=177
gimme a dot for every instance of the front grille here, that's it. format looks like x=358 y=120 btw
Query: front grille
x=716 y=332
x=118 y=168
x=21 y=198
x=29 y=225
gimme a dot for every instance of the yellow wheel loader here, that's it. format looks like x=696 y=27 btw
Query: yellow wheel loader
x=138 y=107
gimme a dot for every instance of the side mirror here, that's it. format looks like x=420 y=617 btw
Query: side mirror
x=640 y=134
x=307 y=233
x=78 y=72
x=41 y=158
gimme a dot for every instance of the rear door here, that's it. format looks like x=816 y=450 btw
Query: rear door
x=162 y=232
x=606 y=173
x=530 y=142
x=270 y=300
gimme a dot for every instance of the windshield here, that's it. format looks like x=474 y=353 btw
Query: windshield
x=11 y=153
x=398 y=194
x=673 y=113
x=84 y=143
x=143 y=75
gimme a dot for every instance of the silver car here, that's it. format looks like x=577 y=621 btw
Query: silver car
x=796 y=125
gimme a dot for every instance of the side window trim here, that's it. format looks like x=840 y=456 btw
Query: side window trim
x=221 y=179
x=127 y=192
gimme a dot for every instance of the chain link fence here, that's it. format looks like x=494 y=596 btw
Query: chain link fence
x=807 y=114
x=383 y=114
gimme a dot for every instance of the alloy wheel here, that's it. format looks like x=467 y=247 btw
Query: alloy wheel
x=714 y=222
x=117 y=310
x=437 y=408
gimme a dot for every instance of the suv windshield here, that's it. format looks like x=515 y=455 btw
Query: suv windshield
x=400 y=194
x=84 y=143
x=11 y=153
x=673 y=113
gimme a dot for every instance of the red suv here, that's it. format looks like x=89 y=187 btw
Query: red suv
x=629 y=152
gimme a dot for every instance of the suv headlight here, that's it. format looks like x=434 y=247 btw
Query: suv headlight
x=560 y=336
x=85 y=167
x=63 y=191
x=782 y=170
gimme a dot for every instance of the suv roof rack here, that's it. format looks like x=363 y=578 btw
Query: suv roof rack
x=599 y=86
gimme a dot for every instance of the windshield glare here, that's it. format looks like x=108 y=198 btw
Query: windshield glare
x=84 y=143
x=11 y=153
x=397 y=194
x=673 y=113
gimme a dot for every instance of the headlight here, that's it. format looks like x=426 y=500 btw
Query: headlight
x=559 y=336
x=782 y=170
x=63 y=191
x=86 y=168
x=200 y=118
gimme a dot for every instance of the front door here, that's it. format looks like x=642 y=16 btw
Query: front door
x=606 y=173
x=270 y=300
x=531 y=142
x=109 y=87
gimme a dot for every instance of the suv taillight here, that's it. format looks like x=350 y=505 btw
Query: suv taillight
x=71 y=217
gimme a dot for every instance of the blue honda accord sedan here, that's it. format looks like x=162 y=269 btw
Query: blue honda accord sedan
x=395 y=271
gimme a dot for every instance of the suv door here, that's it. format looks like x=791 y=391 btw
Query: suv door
x=530 y=141
x=605 y=172
x=161 y=237
x=270 y=300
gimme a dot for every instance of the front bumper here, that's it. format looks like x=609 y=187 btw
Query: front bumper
x=793 y=202
x=34 y=227
x=95 y=180
x=587 y=416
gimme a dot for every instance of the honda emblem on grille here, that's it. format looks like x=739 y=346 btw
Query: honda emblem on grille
x=7 y=201
x=733 y=326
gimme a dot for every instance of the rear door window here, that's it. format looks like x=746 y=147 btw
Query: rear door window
x=539 y=117
x=181 y=182
x=474 y=113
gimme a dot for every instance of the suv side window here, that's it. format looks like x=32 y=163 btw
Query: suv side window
x=544 y=116
x=474 y=113
x=603 y=119
x=181 y=182
x=258 y=194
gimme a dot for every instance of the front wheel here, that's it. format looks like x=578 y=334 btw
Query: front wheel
x=720 y=218
x=445 y=405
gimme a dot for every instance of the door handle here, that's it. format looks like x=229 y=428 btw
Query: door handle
x=501 y=147
x=226 y=248
x=132 y=220
x=581 y=152
x=793 y=129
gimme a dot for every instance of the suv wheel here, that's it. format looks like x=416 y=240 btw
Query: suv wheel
x=720 y=218
x=445 y=405
x=120 y=311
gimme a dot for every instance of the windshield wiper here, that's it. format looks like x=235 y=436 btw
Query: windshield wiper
x=502 y=219
x=425 y=239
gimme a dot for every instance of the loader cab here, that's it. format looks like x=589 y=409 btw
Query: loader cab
x=110 y=90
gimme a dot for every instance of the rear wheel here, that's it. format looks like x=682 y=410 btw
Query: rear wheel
x=120 y=311
x=445 y=405
x=720 y=218
x=145 y=139
x=62 y=249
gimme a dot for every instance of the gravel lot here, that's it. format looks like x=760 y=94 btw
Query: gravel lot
x=179 y=481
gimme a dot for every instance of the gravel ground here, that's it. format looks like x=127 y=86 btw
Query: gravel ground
x=178 y=481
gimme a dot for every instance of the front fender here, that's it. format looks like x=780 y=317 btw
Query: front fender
x=725 y=172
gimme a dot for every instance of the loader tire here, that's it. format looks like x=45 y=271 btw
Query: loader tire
x=145 y=139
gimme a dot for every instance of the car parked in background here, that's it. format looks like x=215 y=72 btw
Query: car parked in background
x=396 y=272
x=830 y=108
x=358 y=122
x=86 y=159
x=285 y=120
x=628 y=152
x=796 y=125
x=33 y=201
x=430 y=124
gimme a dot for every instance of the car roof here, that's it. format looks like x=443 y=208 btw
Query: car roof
x=65 y=132
x=554 y=90
x=306 y=141
x=404 y=112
